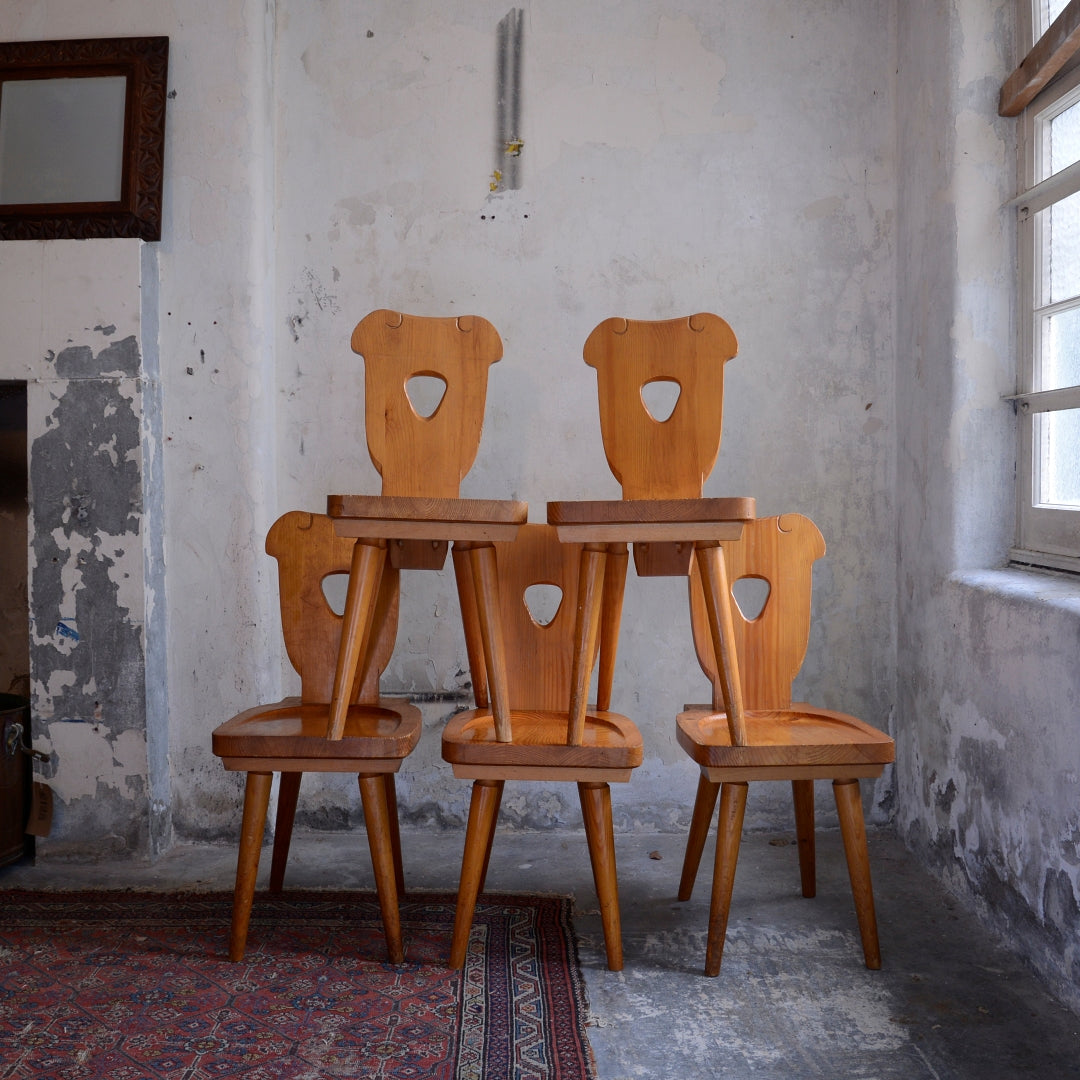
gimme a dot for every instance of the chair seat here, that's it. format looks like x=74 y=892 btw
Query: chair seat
x=611 y=741
x=800 y=736
x=290 y=730
x=449 y=519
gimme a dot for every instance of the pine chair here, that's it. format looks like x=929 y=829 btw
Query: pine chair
x=661 y=462
x=536 y=740
x=422 y=460
x=779 y=739
x=291 y=736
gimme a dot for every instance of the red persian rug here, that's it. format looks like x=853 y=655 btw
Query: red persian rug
x=136 y=986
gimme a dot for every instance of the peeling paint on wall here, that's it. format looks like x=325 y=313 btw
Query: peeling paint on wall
x=86 y=586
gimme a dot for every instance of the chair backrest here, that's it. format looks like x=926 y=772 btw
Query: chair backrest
x=539 y=657
x=770 y=647
x=651 y=458
x=308 y=551
x=417 y=455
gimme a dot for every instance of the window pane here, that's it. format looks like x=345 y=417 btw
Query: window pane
x=1046 y=11
x=1059 y=225
x=1060 y=351
x=1061 y=140
x=1059 y=459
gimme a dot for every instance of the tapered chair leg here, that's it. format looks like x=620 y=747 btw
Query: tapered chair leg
x=288 y=794
x=491 y=840
x=395 y=832
x=704 y=804
x=483 y=811
x=256 y=803
x=377 y=819
x=853 y=829
x=596 y=810
x=728 y=837
x=802 y=792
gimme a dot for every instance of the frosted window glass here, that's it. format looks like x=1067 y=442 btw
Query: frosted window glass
x=1060 y=459
x=1061 y=350
x=1046 y=11
x=1060 y=225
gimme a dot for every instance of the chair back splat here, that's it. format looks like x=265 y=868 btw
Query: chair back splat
x=417 y=455
x=308 y=551
x=771 y=646
x=535 y=558
x=667 y=459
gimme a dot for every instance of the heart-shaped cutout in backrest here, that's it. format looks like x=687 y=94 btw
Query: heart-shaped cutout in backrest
x=543 y=602
x=334 y=588
x=751 y=594
x=660 y=396
x=425 y=393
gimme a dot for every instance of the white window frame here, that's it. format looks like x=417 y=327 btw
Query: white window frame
x=1046 y=535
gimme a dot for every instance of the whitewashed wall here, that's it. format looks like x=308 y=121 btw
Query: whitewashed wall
x=324 y=160
x=728 y=158
x=989 y=685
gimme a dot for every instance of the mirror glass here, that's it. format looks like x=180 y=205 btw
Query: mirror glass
x=62 y=140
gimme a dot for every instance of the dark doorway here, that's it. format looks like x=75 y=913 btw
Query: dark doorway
x=15 y=773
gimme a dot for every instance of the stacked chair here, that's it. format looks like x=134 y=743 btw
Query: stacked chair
x=531 y=676
x=339 y=723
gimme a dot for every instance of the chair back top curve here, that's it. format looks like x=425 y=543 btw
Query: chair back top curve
x=651 y=458
x=539 y=656
x=308 y=551
x=417 y=455
x=771 y=646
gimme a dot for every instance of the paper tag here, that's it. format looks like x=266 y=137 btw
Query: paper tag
x=41 y=810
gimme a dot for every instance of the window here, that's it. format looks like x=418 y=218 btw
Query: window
x=1048 y=398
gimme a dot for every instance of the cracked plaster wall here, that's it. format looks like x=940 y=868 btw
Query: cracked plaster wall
x=323 y=161
x=988 y=762
x=733 y=158
x=75 y=340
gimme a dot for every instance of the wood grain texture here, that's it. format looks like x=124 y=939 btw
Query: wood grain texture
x=609 y=741
x=418 y=455
x=653 y=459
x=660 y=511
x=450 y=511
x=308 y=550
x=1050 y=54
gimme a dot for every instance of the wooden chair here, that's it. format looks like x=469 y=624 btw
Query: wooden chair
x=421 y=459
x=661 y=464
x=538 y=741
x=292 y=736
x=779 y=739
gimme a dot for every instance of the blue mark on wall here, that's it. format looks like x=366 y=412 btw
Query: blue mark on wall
x=64 y=630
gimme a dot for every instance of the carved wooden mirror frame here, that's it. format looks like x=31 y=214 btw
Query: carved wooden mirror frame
x=143 y=63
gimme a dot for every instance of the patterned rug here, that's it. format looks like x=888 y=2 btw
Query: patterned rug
x=136 y=986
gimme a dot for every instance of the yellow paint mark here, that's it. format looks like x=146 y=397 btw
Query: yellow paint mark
x=496 y=181
x=513 y=147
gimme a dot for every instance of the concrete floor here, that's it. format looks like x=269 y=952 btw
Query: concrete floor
x=793 y=998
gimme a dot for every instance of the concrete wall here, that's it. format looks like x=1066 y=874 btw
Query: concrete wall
x=827 y=176
x=729 y=158
x=988 y=763
x=73 y=333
